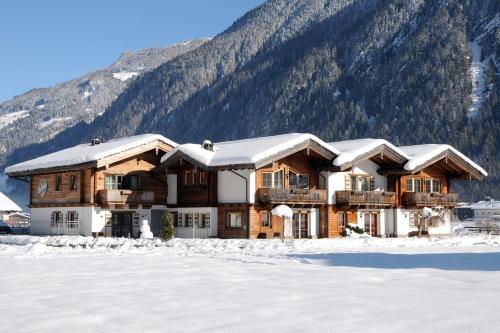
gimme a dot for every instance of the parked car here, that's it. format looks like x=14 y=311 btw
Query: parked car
x=5 y=228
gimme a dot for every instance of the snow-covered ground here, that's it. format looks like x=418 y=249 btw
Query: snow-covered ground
x=61 y=284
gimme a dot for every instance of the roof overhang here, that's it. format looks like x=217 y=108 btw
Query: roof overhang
x=378 y=155
x=452 y=163
x=156 y=144
x=310 y=146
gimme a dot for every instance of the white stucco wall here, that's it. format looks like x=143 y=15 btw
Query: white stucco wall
x=233 y=189
x=336 y=180
x=190 y=232
x=403 y=224
x=172 y=189
x=91 y=219
x=41 y=219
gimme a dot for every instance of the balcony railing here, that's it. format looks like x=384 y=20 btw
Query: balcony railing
x=125 y=196
x=290 y=195
x=365 y=198
x=421 y=199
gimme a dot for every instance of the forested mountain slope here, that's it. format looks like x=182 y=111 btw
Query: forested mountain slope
x=406 y=71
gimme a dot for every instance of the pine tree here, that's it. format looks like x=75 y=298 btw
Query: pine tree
x=167 y=226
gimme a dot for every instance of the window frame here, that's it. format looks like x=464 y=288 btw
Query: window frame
x=205 y=220
x=434 y=182
x=58 y=184
x=415 y=187
x=229 y=220
x=269 y=219
x=188 y=220
x=73 y=183
x=74 y=222
x=410 y=181
x=264 y=174
x=342 y=214
x=276 y=179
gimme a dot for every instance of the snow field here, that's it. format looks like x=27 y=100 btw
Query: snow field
x=79 y=284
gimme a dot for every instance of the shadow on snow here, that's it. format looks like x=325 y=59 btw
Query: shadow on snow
x=444 y=261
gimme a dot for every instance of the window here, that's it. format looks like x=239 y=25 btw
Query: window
x=293 y=179
x=234 y=220
x=188 y=217
x=279 y=179
x=205 y=220
x=179 y=220
x=203 y=177
x=122 y=182
x=72 y=221
x=187 y=178
x=409 y=185
x=267 y=179
x=418 y=185
x=72 y=182
x=196 y=177
x=303 y=181
x=175 y=217
x=360 y=183
x=58 y=183
x=196 y=219
x=436 y=186
x=342 y=220
x=56 y=219
x=265 y=219
x=296 y=180
x=428 y=185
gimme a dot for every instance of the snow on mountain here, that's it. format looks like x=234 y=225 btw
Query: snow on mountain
x=124 y=76
x=40 y=114
x=478 y=76
x=9 y=118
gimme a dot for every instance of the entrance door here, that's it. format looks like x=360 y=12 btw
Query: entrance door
x=121 y=225
x=300 y=220
x=371 y=224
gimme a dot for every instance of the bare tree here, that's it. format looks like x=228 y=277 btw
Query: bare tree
x=428 y=216
x=487 y=224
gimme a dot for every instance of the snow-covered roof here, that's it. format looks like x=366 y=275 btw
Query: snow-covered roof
x=420 y=155
x=87 y=152
x=7 y=205
x=350 y=150
x=247 y=151
x=486 y=205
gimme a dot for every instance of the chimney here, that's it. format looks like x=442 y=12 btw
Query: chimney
x=94 y=142
x=208 y=145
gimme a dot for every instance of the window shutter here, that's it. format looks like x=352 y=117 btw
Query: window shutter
x=348 y=182
x=52 y=218
x=372 y=183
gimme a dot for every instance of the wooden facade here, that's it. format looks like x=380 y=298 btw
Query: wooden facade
x=87 y=186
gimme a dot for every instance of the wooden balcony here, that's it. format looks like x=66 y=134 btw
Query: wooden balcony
x=125 y=196
x=365 y=198
x=423 y=199
x=291 y=196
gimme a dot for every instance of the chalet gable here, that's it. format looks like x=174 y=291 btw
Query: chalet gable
x=444 y=158
x=91 y=155
x=379 y=151
x=249 y=153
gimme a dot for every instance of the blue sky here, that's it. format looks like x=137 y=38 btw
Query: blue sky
x=46 y=42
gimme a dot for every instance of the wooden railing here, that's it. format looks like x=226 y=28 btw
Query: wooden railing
x=365 y=198
x=290 y=195
x=429 y=199
x=125 y=196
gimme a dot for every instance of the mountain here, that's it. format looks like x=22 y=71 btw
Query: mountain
x=410 y=71
x=40 y=114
